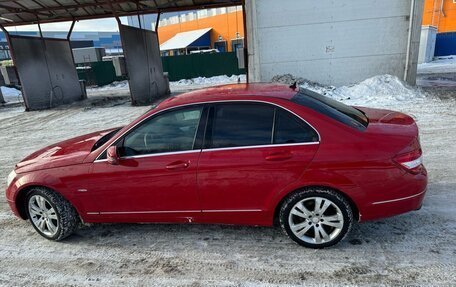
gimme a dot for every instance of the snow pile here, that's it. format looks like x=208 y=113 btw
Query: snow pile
x=378 y=90
x=203 y=81
x=289 y=79
x=383 y=90
x=443 y=65
x=11 y=94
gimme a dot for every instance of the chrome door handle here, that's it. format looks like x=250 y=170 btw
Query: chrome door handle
x=278 y=156
x=178 y=165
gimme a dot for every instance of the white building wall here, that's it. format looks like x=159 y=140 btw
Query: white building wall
x=427 y=44
x=334 y=42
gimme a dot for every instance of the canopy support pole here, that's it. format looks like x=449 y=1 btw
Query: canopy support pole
x=71 y=30
x=157 y=22
x=39 y=29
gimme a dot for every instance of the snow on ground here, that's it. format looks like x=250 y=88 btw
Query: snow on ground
x=415 y=249
x=439 y=73
x=116 y=85
x=217 y=80
x=440 y=65
x=121 y=88
x=176 y=86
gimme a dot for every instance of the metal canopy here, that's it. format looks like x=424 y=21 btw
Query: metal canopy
x=22 y=12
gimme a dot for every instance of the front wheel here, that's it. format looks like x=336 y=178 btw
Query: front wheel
x=316 y=217
x=52 y=216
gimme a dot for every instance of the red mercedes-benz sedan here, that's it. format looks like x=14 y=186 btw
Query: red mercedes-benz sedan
x=251 y=154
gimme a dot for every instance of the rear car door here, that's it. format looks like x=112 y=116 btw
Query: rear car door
x=155 y=179
x=251 y=151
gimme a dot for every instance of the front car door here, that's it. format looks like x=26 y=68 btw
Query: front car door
x=155 y=179
x=251 y=152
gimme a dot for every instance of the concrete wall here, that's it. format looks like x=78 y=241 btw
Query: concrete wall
x=144 y=66
x=46 y=71
x=332 y=42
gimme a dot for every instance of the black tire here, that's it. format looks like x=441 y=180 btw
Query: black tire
x=67 y=217
x=306 y=196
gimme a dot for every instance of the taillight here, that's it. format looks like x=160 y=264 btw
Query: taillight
x=410 y=161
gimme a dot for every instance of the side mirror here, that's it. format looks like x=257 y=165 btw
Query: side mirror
x=112 y=156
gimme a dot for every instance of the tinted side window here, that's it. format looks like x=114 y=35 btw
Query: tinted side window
x=235 y=125
x=290 y=129
x=168 y=132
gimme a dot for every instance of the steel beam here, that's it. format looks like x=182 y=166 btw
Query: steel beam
x=55 y=18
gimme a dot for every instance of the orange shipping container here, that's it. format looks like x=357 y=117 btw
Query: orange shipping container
x=441 y=14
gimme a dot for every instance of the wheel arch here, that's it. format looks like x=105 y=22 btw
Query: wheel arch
x=352 y=203
x=23 y=193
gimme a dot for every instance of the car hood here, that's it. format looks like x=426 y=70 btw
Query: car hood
x=68 y=152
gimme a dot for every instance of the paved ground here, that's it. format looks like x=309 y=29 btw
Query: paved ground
x=435 y=80
x=416 y=249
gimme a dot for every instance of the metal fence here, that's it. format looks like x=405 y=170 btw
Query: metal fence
x=201 y=65
x=178 y=67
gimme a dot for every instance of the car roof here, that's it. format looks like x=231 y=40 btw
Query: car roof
x=231 y=92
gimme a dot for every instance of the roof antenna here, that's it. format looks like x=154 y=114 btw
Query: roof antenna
x=294 y=85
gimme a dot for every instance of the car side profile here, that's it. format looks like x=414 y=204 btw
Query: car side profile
x=247 y=154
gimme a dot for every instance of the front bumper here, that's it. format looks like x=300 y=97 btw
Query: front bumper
x=11 y=192
x=13 y=207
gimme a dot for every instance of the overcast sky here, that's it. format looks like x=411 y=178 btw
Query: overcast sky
x=99 y=25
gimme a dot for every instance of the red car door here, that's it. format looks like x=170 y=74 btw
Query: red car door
x=251 y=152
x=155 y=178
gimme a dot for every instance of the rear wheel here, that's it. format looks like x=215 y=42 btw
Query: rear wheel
x=316 y=217
x=52 y=216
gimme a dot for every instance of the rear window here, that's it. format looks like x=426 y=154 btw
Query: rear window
x=334 y=109
x=288 y=129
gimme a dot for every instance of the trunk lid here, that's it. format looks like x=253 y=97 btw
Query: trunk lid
x=385 y=125
x=390 y=123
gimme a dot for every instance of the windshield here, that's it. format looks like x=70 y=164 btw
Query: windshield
x=345 y=114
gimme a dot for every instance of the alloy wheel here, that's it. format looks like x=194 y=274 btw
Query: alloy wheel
x=43 y=215
x=316 y=220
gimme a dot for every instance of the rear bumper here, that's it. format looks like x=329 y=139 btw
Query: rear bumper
x=402 y=199
x=394 y=207
x=413 y=192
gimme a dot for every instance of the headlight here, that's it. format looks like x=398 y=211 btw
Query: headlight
x=11 y=177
